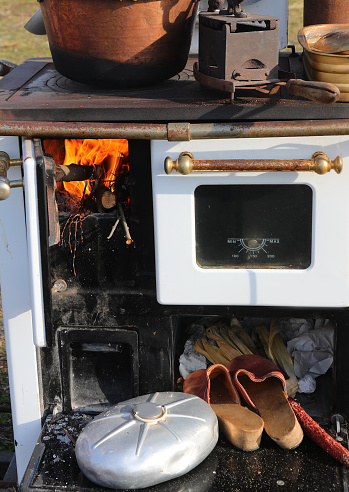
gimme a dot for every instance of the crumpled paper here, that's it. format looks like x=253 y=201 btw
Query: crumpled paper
x=294 y=327
x=191 y=360
x=306 y=384
x=312 y=355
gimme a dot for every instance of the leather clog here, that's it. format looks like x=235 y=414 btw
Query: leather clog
x=262 y=385
x=240 y=425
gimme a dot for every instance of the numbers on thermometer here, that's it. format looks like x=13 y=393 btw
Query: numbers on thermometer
x=253 y=247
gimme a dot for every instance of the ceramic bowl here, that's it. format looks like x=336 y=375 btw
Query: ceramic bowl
x=325 y=67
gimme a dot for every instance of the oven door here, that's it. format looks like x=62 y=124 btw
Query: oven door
x=261 y=238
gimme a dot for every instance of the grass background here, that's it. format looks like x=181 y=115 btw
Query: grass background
x=16 y=44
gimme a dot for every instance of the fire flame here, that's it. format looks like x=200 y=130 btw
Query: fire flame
x=109 y=157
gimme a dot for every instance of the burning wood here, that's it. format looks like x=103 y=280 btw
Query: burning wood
x=95 y=177
x=73 y=172
x=106 y=200
x=91 y=176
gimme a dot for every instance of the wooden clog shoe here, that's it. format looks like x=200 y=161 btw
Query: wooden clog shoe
x=241 y=426
x=262 y=385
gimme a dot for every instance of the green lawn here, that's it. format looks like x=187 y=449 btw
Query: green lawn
x=16 y=44
x=295 y=21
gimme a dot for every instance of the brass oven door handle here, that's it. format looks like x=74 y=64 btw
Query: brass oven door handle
x=319 y=163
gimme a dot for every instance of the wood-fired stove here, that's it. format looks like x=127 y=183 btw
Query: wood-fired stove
x=86 y=323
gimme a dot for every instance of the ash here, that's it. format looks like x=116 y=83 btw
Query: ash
x=58 y=437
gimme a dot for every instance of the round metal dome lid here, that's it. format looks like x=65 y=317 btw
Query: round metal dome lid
x=147 y=440
x=149 y=412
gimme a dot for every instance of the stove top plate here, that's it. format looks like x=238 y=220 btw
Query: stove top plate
x=35 y=91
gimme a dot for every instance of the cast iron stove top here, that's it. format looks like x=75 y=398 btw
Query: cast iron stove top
x=35 y=91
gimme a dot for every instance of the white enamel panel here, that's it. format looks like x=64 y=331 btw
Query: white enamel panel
x=17 y=312
x=33 y=239
x=181 y=281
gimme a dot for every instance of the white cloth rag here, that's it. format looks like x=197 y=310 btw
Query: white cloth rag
x=312 y=355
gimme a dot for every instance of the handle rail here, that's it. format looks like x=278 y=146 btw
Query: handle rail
x=319 y=163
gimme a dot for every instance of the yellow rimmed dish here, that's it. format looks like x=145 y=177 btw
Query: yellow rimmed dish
x=321 y=66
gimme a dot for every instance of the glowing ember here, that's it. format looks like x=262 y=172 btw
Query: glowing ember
x=109 y=157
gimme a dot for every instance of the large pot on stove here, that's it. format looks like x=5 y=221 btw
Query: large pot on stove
x=123 y=43
x=325 y=12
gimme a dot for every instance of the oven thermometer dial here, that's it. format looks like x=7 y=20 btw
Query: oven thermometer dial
x=252 y=246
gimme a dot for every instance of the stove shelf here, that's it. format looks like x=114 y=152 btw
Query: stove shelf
x=53 y=466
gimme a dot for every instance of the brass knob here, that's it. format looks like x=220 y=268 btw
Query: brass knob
x=5 y=187
x=5 y=184
x=323 y=164
x=182 y=165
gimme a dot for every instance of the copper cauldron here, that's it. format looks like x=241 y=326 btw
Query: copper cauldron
x=119 y=43
x=325 y=12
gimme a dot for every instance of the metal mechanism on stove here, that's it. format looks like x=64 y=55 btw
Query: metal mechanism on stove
x=6 y=67
x=233 y=47
x=316 y=91
x=239 y=50
x=62 y=173
x=234 y=7
x=319 y=163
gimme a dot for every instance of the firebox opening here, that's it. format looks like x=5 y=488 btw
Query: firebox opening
x=100 y=216
x=91 y=174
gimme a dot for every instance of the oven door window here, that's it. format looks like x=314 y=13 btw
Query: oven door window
x=253 y=226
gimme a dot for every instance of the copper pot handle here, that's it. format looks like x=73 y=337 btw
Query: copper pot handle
x=6 y=67
x=319 y=163
x=322 y=92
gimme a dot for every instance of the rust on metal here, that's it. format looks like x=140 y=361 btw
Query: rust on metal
x=159 y=131
x=262 y=165
x=325 y=12
x=253 y=165
x=126 y=44
x=48 y=129
x=243 y=43
x=321 y=92
x=178 y=131
x=319 y=163
x=267 y=129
